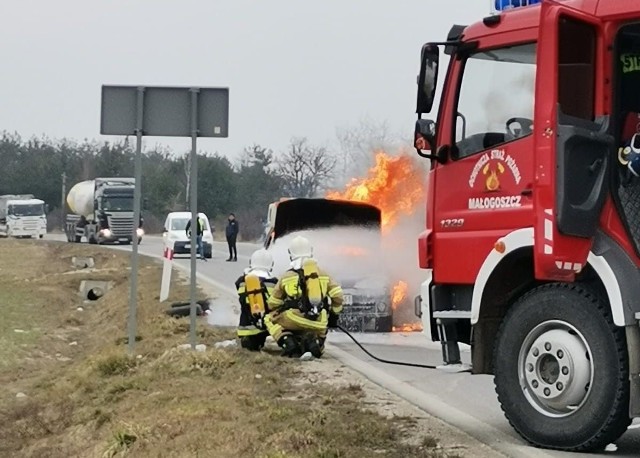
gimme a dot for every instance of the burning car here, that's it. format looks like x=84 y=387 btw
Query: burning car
x=346 y=237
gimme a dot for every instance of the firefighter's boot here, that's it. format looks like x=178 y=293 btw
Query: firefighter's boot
x=312 y=345
x=253 y=343
x=289 y=346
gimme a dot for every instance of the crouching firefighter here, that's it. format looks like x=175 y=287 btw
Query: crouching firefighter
x=254 y=289
x=304 y=303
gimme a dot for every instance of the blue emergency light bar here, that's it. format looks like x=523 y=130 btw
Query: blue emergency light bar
x=504 y=5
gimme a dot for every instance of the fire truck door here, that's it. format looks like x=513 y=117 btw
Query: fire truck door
x=572 y=143
x=484 y=190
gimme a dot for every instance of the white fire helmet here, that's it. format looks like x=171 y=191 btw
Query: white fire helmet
x=261 y=259
x=300 y=247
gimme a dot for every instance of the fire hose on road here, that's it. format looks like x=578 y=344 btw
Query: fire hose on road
x=386 y=361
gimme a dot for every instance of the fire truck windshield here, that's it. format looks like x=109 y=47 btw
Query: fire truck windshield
x=496 y=99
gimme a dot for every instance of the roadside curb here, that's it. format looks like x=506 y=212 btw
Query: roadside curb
x=488 y=435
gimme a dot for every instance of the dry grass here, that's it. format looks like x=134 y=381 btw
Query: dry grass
x=93 y=400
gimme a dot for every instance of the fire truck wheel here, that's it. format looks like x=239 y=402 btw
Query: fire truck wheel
x=561 y=369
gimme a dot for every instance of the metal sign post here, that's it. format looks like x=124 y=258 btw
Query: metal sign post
x=193 y=194
x=133 y=293
x=168 y=112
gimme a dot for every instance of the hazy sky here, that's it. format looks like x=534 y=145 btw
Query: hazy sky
x=294 y=67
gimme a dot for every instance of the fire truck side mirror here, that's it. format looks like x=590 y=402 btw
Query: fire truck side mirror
x=424 y=136
x=428 y=77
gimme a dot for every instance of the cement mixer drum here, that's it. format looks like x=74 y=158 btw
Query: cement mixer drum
x=80 y=198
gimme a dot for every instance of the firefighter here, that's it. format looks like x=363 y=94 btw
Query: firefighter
x=304 y=303
x=254 y=288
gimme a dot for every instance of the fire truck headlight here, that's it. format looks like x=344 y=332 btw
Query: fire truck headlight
x=381 y=306
x=139 y=232
x=106 y=232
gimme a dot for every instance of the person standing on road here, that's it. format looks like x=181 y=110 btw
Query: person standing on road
x=199 y=232
x=231 y=232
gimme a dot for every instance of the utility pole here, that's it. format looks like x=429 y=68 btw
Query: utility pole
x=63 y=207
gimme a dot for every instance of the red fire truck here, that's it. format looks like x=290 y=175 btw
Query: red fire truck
x=532 y=245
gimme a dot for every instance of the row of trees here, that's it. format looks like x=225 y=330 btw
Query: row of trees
x=245 y=187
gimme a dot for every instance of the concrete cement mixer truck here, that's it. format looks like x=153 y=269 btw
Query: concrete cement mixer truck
x=102 y=212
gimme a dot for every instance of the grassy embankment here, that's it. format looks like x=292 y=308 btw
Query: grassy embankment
x=69 y=389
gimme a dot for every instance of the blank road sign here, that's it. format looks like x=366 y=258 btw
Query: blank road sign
x=213 y=113
x=166 y=112
x=118 y=112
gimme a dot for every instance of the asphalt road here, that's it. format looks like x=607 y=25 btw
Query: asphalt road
x=466 y=401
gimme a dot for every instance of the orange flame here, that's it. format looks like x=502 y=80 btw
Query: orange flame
x=394 y=185
x=352 y=251
x=398 y=293
x=409 y=327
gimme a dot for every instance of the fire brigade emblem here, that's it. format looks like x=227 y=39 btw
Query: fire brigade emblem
x=491 y=171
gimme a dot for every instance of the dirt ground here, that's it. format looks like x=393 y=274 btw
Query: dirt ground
x=71 y=389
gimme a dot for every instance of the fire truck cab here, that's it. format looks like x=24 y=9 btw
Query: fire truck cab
x=532 y=241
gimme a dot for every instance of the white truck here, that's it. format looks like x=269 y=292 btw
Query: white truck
x=22 y=216
x=102 y=212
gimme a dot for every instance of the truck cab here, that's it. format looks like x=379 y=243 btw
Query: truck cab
x=102 y=211
x=532 y=240
x=23 y=218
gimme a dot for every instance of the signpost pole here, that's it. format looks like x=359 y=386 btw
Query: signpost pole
x=193 y=192
x=133 y=297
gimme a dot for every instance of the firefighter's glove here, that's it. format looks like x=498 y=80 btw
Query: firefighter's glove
x=333 y=320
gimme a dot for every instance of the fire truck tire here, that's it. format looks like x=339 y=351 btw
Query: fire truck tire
x=561 y=369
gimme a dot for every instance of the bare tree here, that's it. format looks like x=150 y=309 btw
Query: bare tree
x=305 y=169
x=256 y=155
x=359 y=143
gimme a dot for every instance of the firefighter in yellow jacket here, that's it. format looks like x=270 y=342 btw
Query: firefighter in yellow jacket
x=304 y=303
x=254 y=289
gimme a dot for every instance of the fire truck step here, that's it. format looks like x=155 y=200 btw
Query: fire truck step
x=454 y=314
x=449 y=340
